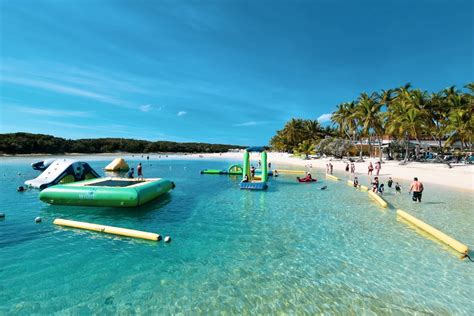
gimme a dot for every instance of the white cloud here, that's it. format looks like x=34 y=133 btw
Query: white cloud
x=181 y=113
x=64 y=89
x=49 y=112
x=251 y=123
x=145 y=108
x=326 y=117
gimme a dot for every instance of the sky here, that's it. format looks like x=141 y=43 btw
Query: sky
x=229 y=71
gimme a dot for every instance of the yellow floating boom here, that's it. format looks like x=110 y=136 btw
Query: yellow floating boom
x=433 y=231
x=363 y=188
x=290 y=171
x=377 y=199
x=330 y=176
x=108 y=229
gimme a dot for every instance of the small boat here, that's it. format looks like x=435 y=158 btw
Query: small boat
x=107 y=192
x=306 y=180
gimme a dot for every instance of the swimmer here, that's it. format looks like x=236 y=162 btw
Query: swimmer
x=324 y=187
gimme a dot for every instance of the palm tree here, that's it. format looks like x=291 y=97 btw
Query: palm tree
x=368 y=111
x=306 y=148
x=404 y=120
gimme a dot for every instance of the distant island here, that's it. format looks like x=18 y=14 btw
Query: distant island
x=27 y=143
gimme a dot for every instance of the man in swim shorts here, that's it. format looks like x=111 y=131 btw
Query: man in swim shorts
x=417 y=189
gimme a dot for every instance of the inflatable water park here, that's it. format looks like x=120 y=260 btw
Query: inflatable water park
x=249 y=180
x=118 y=164
x=71 y=182
x=232 y=170
x=108 y=192
x=61 y=171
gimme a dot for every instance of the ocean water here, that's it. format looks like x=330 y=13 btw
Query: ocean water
x=292 y=249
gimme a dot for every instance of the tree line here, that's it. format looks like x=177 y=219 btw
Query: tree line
x=26 y=143
x=402 y=113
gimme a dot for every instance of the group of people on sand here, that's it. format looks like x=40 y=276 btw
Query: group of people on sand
x=329 y=168
x=350 y=167
x=131 y=172
x=371 y=168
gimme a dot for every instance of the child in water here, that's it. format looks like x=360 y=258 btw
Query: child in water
x=380 y=190
x=356 y=182
x=390 y=182
x=398 y=188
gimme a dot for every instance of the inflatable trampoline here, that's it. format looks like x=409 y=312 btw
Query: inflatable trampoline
x=109 y=192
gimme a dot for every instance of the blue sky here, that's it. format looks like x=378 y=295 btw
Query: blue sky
x=216 y=71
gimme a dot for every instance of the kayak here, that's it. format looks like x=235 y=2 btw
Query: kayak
x=306 y=180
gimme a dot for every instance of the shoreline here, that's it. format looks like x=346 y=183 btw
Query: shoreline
x=457 y=177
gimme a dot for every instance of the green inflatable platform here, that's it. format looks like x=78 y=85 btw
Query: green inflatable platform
x=108 y=192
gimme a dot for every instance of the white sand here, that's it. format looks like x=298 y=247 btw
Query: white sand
x=459 y=176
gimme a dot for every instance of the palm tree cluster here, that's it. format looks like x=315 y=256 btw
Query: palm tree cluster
x=409 y=114
x=299 y=136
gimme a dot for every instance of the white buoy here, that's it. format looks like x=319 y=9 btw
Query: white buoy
x=167 y=239
x=38 y=219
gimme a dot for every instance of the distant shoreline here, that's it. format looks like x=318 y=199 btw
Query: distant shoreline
x=458 y=177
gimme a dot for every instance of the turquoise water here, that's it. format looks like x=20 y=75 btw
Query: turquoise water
x=291 y=249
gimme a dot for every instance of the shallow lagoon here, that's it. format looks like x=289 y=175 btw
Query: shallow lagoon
x=292 y=248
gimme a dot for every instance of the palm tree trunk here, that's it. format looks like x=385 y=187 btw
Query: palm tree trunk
x=406 y=148
x=380 y=148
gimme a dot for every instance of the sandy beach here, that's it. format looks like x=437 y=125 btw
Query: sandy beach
x=459 y=176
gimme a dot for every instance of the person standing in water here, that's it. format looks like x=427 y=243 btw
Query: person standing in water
x=139 y=171
x=353 y=168
x=356 y=182
x=398 y=188
x=417 y=189
x=389 y=182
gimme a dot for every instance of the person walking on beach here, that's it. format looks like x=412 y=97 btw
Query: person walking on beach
x=389 y=182
x=378 y=166
x=331 y=167
x=139 y=171
x=370 y=169
x=353 y=167
x=417 y=189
